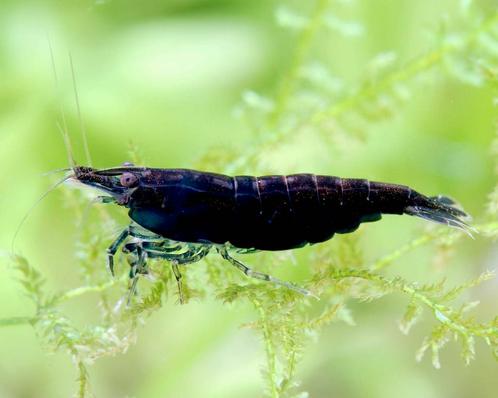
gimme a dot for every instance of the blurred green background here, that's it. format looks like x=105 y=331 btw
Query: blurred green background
x=169 y=77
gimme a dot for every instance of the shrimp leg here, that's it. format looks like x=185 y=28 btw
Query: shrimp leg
x=146 y=249
x=188 y=257
x=111 y=250
x=138 y=266
x=259 y=275
x=178 y=277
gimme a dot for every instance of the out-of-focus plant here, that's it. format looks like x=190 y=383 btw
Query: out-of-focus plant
x=309 y=99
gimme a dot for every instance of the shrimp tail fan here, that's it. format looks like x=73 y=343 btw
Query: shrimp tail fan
x=440 y=209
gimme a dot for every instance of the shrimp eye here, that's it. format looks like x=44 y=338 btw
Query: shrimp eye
x=128 y=180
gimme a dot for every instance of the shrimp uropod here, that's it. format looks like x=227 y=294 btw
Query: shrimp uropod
x=180 y=215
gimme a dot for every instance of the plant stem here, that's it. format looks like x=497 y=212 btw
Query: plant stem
x=410 y=70
x=270 y=351
x=79 y=291
x=289 y=81
x=17 y=320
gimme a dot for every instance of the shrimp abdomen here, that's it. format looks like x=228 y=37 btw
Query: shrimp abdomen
x=272 y=212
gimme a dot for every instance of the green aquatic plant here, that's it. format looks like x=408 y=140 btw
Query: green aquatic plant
x=309 y=99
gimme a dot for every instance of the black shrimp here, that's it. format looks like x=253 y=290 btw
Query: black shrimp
x=179 y=215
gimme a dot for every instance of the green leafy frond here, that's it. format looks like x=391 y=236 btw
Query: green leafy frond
x=31 y=280
x=351 y=110
x=453 y=322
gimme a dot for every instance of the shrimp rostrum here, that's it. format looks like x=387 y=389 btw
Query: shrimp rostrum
x=180 y=215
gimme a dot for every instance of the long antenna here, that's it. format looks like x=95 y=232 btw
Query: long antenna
x=64 y=130
x=82 y=126
x=28 y=213
x=67 y=144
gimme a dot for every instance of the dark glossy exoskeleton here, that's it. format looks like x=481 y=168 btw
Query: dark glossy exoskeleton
x=190 y=210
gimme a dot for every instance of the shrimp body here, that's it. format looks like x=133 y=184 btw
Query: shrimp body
x=202 y=209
